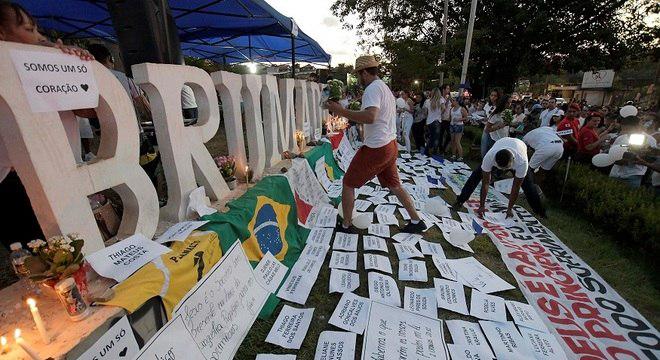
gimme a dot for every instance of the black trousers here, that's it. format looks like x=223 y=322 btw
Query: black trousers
x=445 y=136
x=17 y=219
x=528 y=186
x=418 y=134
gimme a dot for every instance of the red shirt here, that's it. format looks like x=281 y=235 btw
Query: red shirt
x=568 y=127
x=587 y=136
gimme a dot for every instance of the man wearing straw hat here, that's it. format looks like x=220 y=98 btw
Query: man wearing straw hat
x=377 y=157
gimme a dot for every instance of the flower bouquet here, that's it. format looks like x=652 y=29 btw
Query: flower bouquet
x=335 y=89
x=354 y=105
x=507 y=116
x=227 y=166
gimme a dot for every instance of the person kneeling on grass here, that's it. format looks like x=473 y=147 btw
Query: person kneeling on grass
x=506 y=154
x=377 y=157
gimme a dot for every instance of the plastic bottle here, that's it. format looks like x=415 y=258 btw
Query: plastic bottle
x=18 y=256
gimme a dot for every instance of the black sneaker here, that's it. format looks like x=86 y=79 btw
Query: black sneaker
x=414 y=228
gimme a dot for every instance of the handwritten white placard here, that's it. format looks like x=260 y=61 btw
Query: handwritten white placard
x=362 y=205
x=120 y=260
x=420 y=301
x=444 y=267
x=431 y=248
x=343 y=281
x=543 y=345
x=506 y=341
x=376 y=200
x=180 y=231
x=316 y=251
x=118 y=342
x=392 y=199
x=450 y=295
x=407 y=238
x=394 y=333
x=487 y=307
x=335 y=345
x=407 y=251
x=290 y=327
x=387 y=219
x=174 y=341
x=344 y=241
x=412 y=270
x=56 y=81
x=479 y=276
x=459 y=351
x=469 y=334
x=373 y=243
x=386 y=209
x=404 y=213
x=228 y=294
x=270 y=272
x=275 y=357
x=377 y=262
x=322 y=216
x=351 y=313
x=320 y=235
x=525 y=315
x=383 y=289
x=296 y=287
x=304 y=183
x=343 y=260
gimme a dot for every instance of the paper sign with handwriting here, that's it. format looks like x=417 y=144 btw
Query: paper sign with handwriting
x=373 y=243
x=543 y=345
x=118 y=342
x=351 y=313
x=180 y=231
x=407 y=251
x=469 y=334
x=506 y=341
x=450 y=295
x=387 y=219
x=379 y=230
x=174 y=341
x=412 y=270
x=229 y=294
x=421 y=301
x=343 y=260
x=320 y=235
x=383 y=289
x=56 y=81
x=487 y=307
x=296 y=287
x=120 y=260
x=335 y=345
x=270 y=272
x=322 y=216
x=344 y=241
x=407 y=238
x=525 y=315
x=377 y=262
x=362 y=205
x=343 y=281
x=479 y=276
x=290 y=328
x=466 y=352
x=431 y=248
x=394 y=333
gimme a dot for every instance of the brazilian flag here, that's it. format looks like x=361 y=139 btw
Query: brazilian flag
x=325 y=151
x=264 y=219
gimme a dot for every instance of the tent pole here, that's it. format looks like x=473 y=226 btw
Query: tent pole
x=293 y=56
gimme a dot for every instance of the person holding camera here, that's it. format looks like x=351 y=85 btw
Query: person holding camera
x=630 y=169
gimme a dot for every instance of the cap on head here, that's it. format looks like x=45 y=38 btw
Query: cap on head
x=365 y=62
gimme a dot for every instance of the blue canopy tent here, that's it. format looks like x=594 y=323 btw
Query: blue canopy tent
x=225 y=31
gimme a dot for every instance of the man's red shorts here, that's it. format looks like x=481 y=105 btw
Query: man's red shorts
x=369 y=162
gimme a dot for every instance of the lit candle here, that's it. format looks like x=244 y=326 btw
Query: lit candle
x=247 y=174
x=4 y=347
x=24 y=345
x=38 y=321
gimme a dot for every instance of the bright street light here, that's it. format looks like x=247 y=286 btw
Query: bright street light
x=416 y=82
x=252 y=67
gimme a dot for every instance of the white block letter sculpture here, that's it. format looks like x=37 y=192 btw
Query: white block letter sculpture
x=272 y=119
x=186 y=160
x=254 y=127
x=58 y=187
x=302 y=116
x=313 y=100
x=229 y=87
x=288 y=115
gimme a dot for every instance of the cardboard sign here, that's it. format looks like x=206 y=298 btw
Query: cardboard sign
x=469 y=334
x=290 y=328
x=421 y=301
x=383 y=289
x=117 y=343
x=56 y=81
x=351 y=313
x=228 y=294
x=412 y=270
x=180 y=231
x=173 y=341
x=393 y=333
x=487 y=307
x=373 y=243
x=335 y=345
x=120 y=260
x=270 y=272
x=377 y=262
x=343 y=260
x=343 y=281
x=450 y=295
x=344 y=241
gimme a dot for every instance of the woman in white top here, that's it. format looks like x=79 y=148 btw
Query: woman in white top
x=434 y=111
x=457 y=117
x=489 y=108
x=405 y=111
x=495 y=126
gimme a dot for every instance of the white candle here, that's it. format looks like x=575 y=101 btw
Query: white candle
x=247 y=174
x=41 y=327
x=24 y=345
x=3 y=343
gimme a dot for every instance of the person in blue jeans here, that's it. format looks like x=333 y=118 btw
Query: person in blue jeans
x=489 y=108
x=458 y=115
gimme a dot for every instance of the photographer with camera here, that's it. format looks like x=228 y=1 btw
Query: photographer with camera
x=633 y=166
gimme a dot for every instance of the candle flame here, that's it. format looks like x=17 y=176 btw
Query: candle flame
x=17 y=333
x=3 y=341
x=31 y=302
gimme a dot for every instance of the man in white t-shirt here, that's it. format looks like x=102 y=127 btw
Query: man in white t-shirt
x=631 y=172
x=506 y=154
x=551 y=111
x=377 y=157
x=548 y=147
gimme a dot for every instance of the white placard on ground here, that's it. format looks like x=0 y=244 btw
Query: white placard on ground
x=377 y=262
x=407 y=238
x=270 y=272
x=290 y=328
x=420 y=301
x=525 y=315
x=296 y=287
x=383 y=289
x=466 y=352
x=320 y=236
x=374 y=243
x=479 y=276
x=412 y=270
x=387 y=209
x=506 y=341
x=362 y=205
x=394 y=333
x=174 y=341
x=407 y=251
x=444 y=267
x=322 y=216
x=56 y=81
x=335 y=345
x=450 y=295
x=487 y=307
x=120 y=260
x=469 y=334
x=343 y=281
x=379 y=230
x=431 y=248
x=404 y=213
x=180 y=231
x=345 y=241
x=351 y=313
x=543 y=345
x=343 y=260
x=376 y=200
x=117 y=342
x=387 y=219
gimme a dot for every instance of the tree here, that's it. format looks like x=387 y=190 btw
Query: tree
x=512 y=38
x=339 y=72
